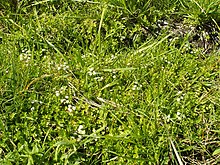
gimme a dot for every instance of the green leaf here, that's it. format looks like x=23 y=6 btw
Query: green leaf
x=216 y=152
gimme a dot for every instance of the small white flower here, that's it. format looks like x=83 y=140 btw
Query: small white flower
x=134 y=87
x=66 y=67
x=71 y=108
x=113 y=57
x=24 y=50
x=101 y=78
x=33 y=101
x=32 y=108
x=81 y=130
x=168 y=118
x=94 y=134
x=92 y=71
x=80 y=127
x=179 y=98
x=79 y=137
x=57 y=93
x=62 y=89
x=178 y=115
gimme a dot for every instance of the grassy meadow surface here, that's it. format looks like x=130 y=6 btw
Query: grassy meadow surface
x=109 y=82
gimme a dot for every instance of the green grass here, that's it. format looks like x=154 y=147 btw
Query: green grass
x=100 y=82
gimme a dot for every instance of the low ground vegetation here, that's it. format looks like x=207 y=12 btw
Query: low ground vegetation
x=109 y=82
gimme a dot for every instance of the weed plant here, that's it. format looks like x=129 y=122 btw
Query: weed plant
x=108 y=82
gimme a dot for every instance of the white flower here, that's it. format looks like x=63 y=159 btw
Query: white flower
x=63 y=66
x=64 y=101
x=99 y=78
x=57 y=93
x=178 y=115
x=32 y=108
x=33 y=101
x=62 y=88
x=79 y=137
x=136 y=86
x=71 y=108
x=25 y=56
x=81 y=130
x=92 y=71
x=179 y=98
x=36 y=101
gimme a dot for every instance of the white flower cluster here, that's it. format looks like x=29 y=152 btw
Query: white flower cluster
x=99 y=78
x=114 y=74
x=63 y=66
x=61 y=91
x=180 y=96
x=35 y=102
x=92 y=72
x=80 y=132
x=25 y=56
x=136 y=86
x=178 y=116
x=66 y=100
x=71 y=108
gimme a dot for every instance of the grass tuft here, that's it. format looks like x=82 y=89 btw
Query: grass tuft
x=109 y=82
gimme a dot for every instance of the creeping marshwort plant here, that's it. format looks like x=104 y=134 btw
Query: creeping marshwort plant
x=109 y=82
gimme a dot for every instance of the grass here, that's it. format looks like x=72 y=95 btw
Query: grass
x=109 y=82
